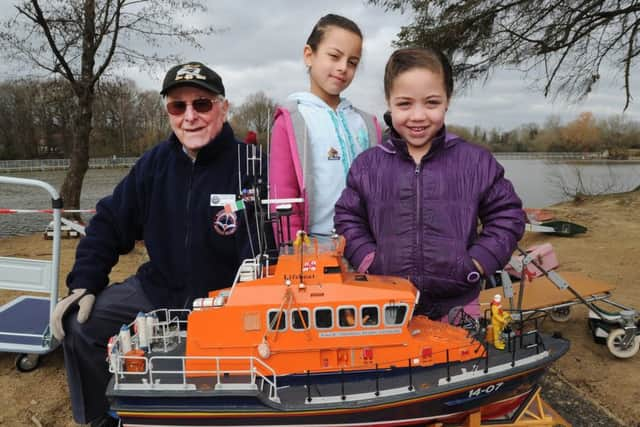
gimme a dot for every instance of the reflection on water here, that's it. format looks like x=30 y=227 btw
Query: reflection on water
x=539 y=183
x=542 y=183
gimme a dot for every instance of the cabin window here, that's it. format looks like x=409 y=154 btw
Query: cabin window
x=394 y=314
x=370 y=315
x=347 y=317
x=300 y=319
x=277 y=320
x=323 y=318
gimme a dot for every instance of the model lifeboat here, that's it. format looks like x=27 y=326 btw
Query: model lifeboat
x=311 y=343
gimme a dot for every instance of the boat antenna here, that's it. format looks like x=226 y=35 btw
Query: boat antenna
x=244 y=197
x=250 y=189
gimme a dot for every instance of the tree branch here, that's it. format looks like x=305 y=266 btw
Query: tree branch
x=42 y=22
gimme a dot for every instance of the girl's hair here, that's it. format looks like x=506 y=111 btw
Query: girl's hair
x=331 y=20
x=409 y=58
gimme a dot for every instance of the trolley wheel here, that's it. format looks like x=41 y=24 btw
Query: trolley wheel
x=26 y=362
x=560 y=314
x=617 y=348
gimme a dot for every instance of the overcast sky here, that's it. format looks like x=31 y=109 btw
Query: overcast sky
x=261 y=46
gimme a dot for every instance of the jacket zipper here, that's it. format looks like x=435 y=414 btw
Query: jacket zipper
x=187 y=234
x=419 y=216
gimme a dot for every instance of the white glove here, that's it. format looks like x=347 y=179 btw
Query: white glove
x=85 y=301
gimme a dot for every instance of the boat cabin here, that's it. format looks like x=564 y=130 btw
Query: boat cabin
x=312 y=314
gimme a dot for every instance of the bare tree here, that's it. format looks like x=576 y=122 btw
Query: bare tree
x=255 y=114
x=126 y=120
x=116 y=104
x=570 y=41
x=80 y=39
x=152 y=122
x=19 y=134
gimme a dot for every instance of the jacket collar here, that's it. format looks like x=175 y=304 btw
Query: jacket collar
x=223 y=141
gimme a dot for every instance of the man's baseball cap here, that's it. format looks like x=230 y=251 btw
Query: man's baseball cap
x=193 y=74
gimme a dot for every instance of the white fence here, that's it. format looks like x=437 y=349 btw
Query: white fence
x=543 y=155
x=127 y=162
x=61 y=164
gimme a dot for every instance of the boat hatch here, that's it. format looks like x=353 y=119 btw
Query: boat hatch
x=332 y=269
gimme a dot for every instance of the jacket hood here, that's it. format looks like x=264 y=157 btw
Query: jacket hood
x=309 y=99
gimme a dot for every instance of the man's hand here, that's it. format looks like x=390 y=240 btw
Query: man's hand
x=85 y=301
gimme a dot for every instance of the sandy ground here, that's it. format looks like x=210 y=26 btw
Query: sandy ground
x=609 y=251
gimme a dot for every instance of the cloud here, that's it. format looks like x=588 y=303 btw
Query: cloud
x=259 y=48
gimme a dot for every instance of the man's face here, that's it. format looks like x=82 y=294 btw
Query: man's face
x=195 y=129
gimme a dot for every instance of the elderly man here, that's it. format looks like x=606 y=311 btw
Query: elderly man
x=174 y=199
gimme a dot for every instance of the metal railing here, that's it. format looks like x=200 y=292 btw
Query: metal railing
x=167 y=330
x=248 y=373
x=62 y=164
x=543 y=155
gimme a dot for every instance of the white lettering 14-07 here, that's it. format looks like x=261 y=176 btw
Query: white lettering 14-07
x=485 y=390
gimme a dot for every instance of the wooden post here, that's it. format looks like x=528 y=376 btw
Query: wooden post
x=473 y=420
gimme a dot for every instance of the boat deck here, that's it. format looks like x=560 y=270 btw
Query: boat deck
x=164 y=376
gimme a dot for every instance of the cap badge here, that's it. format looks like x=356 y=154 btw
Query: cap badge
x=190 y=72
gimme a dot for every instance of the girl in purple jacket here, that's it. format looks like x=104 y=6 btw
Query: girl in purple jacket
x=412 y=205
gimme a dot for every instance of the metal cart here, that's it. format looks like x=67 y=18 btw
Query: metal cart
x=611 y=323
x=24 y=321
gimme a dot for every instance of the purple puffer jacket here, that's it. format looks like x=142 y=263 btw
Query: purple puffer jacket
x=421 y=222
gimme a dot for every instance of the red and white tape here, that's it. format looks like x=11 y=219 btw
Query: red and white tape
x=49 y=211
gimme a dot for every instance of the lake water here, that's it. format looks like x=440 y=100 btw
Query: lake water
x=538 y=182
x=543 y=183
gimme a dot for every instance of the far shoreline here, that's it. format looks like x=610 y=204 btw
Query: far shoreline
x=42 y=165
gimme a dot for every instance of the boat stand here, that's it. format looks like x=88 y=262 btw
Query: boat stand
x=534 y=412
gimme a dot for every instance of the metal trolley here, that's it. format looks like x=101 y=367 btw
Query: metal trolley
x=611 y=323
x=24 y=321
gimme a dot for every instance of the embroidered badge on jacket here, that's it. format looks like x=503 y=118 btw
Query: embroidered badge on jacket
x=333 y=154
x=225 y=223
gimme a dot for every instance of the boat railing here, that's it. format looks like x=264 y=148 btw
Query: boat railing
x=522 y=333
x=248 y=270
x=151 y=374
x=167 y=330
x=453 y=371
x=143 y=371
x=525 y=326
x=524 y=349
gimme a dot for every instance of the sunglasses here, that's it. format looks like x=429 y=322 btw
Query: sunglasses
x=200 y=105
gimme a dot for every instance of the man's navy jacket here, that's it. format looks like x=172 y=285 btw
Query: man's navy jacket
x=173 y=204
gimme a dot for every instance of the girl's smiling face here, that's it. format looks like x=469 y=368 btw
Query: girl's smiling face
x=418 y=102
x=333 y=64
